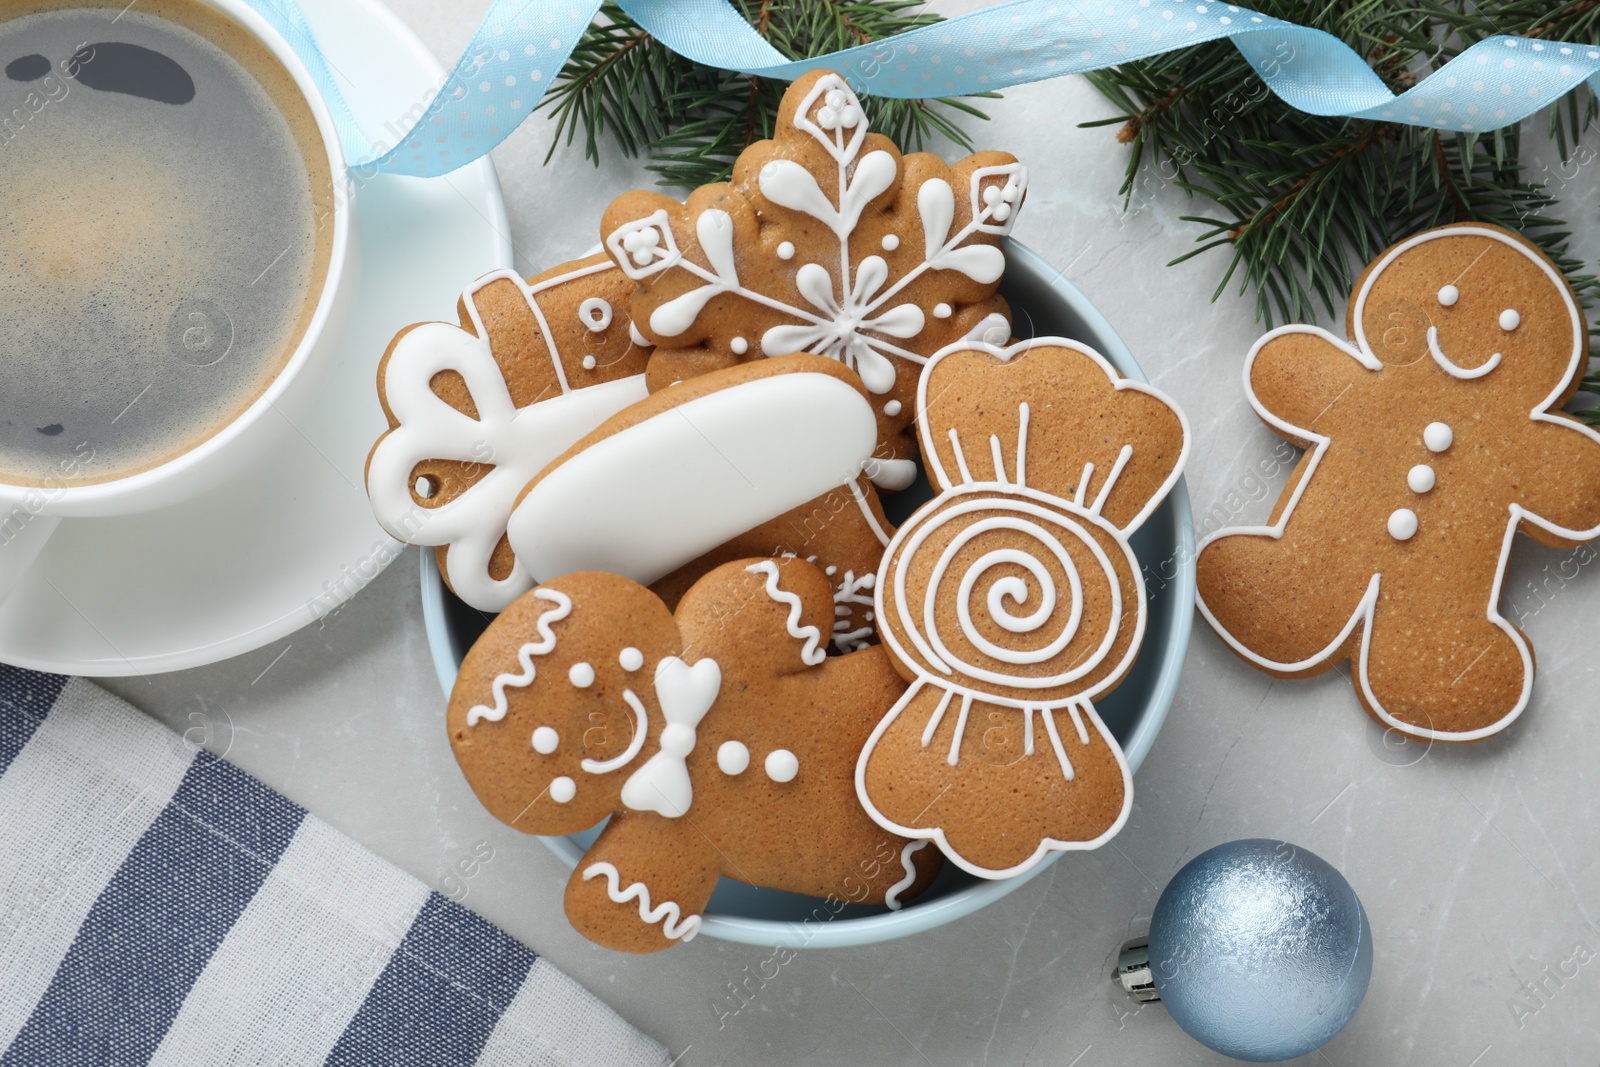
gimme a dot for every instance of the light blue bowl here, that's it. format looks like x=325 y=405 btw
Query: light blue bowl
x=1043 y=303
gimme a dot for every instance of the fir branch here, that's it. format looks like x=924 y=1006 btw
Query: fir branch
x=1305 y=202
x=692 y=121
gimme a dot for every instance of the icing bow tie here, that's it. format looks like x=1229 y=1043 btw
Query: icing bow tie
x=685 y=694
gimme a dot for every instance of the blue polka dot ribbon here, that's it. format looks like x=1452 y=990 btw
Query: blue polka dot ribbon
x=523 y=44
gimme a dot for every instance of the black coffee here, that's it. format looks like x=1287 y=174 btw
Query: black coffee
x=165 y=228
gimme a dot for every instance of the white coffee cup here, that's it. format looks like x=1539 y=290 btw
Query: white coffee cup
x=29 y=514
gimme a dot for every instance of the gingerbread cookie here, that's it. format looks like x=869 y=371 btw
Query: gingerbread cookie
x=476 y=410
x=763 y=459
x=827 y=240
x=1433 y=436
x=1013 y=600
x=718 y=739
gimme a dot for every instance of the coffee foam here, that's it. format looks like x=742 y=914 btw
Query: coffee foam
x=159 y=262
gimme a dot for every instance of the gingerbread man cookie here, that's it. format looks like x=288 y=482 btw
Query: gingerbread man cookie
x=1433 y=437
x=827 y=240
x=476 y=410
x=1013 y=600
x=719 y=740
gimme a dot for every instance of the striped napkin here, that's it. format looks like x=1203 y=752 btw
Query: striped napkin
x=158 y=905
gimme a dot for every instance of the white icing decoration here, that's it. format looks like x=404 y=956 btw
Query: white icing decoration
x=850 y=593
x=674 y=928
x=739 y=345
x=635 y=336
x=588 y=363
x=1449 y=295
x=645 y=246
x=563 y=789
x=942 y=310
x=641 y=727
x=892 y=408
x=890 y=242
x=850 y=317
x=546 y=740
x=518 y=442
x=695 y=476
x=1420 y=478
x=595 y=313
x=1453 y=369
x=992 y=330
x=782 y=765
x=685 y=694
x=837 y=333
x=543 y=646
x=891 y=899
x=733 y=757
x=1438 y=437
x=581 y=675
x=631 y=659
x=891 y=474
x=812 y=654
x=1402 y=524
x=1010 y=506
x=1510 y=319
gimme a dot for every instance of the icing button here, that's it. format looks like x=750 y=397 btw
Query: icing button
x=545 y=740
x=1438 y=436
x=1449 y=295
x=1510 y=319
x=732 y=757
x=563 y=789
x=890 y=242
x=782 y=765
x=1420 y=478
x=1402 y=524
x=739 y=345
x=786 y=250
x=631 y=659
x=581 y=675
x=892 y=408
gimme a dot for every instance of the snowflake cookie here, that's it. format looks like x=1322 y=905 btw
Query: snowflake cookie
x=718 y=739
x=828 y=241
x=476 y=410
x=1012 y=600
x=1433 y=437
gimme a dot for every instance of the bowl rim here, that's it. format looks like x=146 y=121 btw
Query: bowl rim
x=918 y=916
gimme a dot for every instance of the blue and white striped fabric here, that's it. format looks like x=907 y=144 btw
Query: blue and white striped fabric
x=160 y=906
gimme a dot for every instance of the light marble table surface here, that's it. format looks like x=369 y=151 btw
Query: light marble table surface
x=1479 y=866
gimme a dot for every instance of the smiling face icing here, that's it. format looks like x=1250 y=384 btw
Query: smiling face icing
x=1431 y=441
x=718 y=738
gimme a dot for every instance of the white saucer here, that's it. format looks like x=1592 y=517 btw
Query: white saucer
x=288 y=542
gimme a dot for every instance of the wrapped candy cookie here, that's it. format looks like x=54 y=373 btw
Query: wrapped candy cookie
x=718 y=739
x=1013 y=600
x=1433 y=436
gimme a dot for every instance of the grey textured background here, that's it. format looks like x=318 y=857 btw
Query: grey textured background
x=1478 y=865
